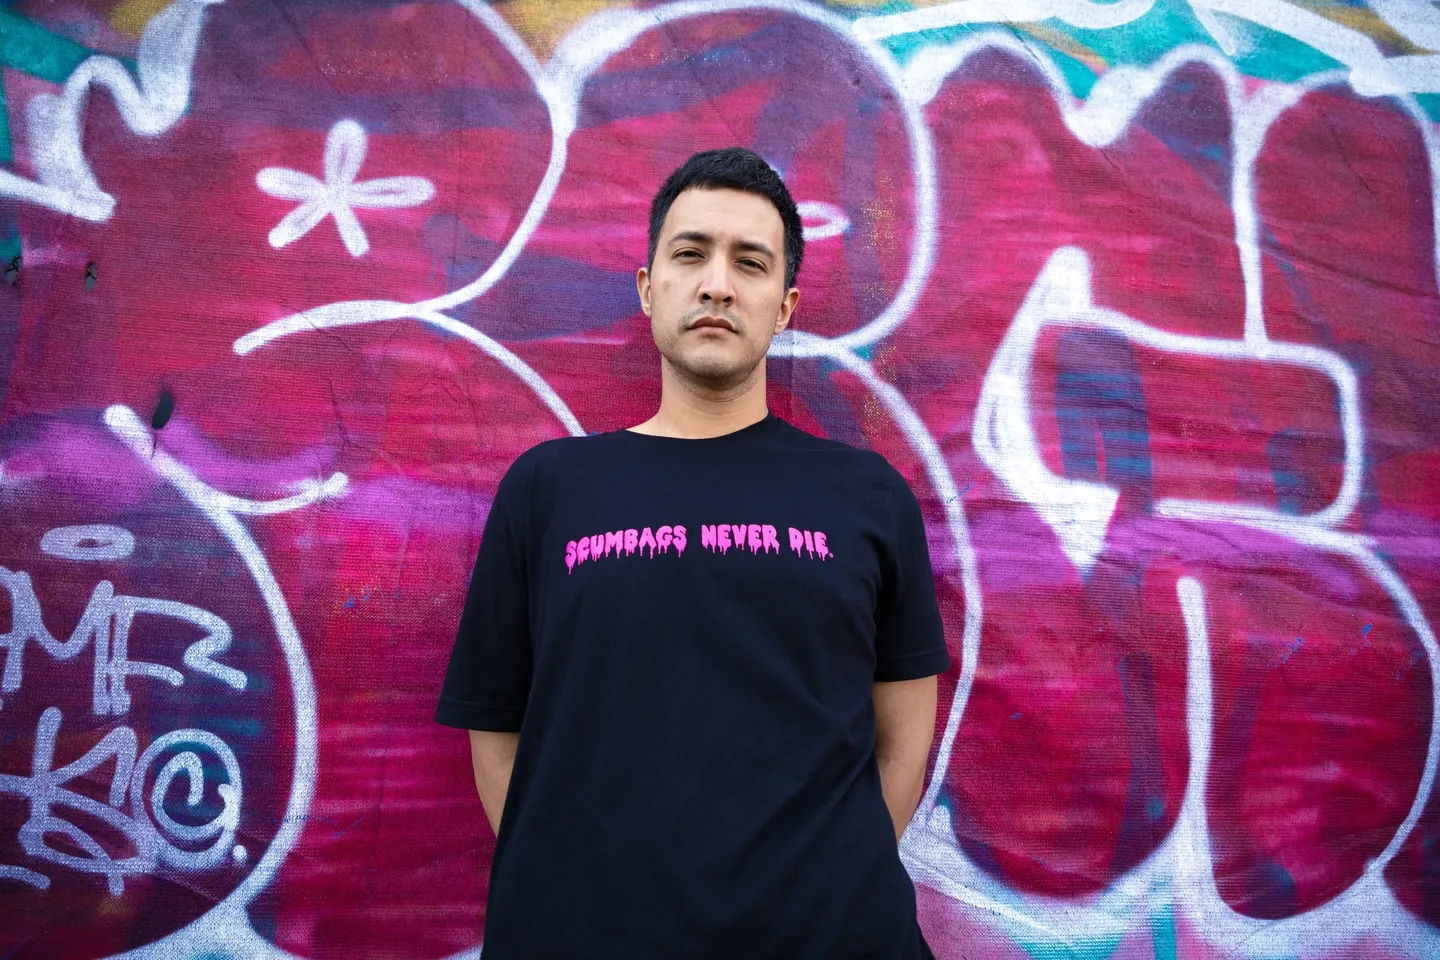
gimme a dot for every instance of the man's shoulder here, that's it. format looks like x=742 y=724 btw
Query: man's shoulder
x=558 y=453
x=855 y=460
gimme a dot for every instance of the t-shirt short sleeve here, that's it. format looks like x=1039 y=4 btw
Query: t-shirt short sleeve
x=488 y=680
x=909 y=634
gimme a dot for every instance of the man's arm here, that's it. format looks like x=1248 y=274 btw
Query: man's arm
x=493 y=756
x=904 y=729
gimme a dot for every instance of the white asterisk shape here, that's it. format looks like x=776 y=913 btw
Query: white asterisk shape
x=339 y=195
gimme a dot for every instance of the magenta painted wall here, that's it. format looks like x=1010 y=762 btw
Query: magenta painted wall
x=1141 y=297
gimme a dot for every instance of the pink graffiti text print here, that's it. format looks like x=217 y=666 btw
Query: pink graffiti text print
x=626 y=542
x=721 y=538
x=763 y=537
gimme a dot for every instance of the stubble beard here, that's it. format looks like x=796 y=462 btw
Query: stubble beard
x=709 y=372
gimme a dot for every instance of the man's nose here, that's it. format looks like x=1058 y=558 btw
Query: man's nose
x=716 y=286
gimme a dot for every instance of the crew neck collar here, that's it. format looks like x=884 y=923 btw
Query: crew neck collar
x=758 y=427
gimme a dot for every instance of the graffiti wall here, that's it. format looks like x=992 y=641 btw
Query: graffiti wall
x=1140 y=295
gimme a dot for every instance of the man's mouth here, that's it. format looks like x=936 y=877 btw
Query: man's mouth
x=713 y=322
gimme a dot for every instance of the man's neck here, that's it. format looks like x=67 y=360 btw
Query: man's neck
x=692 y=413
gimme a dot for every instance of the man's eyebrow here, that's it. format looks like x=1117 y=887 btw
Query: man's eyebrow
x=699 y=236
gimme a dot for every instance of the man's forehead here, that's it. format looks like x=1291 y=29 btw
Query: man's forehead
x=724 y=215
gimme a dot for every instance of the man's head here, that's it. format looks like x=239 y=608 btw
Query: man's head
x=725 y=249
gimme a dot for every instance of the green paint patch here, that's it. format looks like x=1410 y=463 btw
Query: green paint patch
x=7 y=154
x=1162 y=934
x=1430 y=103
x=906 y=45
x=1269 y=55
x=30 y=48
x=9 y=243
x=1084 y=950
x=1167 y=25
x=1079 y=77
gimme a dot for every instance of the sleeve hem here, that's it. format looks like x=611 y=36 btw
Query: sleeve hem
x=475 y=716
x=913 y=668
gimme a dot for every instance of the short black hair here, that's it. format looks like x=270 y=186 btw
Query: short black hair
x=732 y=168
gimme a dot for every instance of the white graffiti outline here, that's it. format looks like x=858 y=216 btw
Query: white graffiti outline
x=163 y=65
x=226 y=925
x=930 y=851
x=560 y=82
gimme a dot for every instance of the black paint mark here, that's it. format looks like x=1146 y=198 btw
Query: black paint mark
x=12 y=272
x=89 y=276
x=164 y=408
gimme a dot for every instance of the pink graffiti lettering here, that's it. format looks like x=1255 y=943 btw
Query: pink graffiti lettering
x=647 y=539
x=614 y=541
x=768 y=538
x=663 y=536
x=632 y=540
x=679 y=540
x=570 y=555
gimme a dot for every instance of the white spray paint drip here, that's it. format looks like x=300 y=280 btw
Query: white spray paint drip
x=163 y=65
x=338 y=194
x=226 y=926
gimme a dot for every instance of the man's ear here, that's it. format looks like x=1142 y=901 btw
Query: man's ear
x=787 y=308
x=642 y=287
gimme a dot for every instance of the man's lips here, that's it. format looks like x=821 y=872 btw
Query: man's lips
x=713 y=322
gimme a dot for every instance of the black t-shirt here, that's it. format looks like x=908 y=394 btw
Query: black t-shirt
x=685 y=634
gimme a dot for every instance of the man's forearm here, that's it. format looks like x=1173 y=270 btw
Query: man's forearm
x=493 y=757
x=904 y=728
x=901 y=782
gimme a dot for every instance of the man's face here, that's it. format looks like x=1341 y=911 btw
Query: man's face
x=715 y=294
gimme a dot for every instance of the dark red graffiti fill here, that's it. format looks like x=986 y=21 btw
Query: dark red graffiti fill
x=1322 y=708
x=1078 y=703
x=1349 y=242
x=57 y=475
x=1071 y=759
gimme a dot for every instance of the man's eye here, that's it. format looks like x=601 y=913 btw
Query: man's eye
x=753 y=264
x=688 y=254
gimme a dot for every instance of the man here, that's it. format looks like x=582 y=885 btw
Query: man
x=697 y=657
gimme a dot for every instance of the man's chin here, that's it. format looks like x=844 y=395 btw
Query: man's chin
x=714 y=373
